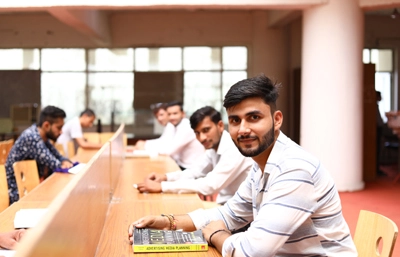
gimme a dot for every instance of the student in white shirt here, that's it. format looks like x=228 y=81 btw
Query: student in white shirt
x=289 y=198
x=220 y=170
x=72 y=130
x=180 y=143
x=161 y=115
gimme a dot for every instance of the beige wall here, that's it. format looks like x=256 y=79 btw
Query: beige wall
x=268 y=48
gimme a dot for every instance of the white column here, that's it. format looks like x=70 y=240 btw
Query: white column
x=331 y=95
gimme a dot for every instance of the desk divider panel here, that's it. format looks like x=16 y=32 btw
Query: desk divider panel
x=117 y=156
x=75 y=219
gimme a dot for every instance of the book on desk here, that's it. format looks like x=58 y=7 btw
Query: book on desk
x=154 y=240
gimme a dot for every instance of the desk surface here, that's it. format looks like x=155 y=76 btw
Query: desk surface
x=126 y=206
x=129 y=205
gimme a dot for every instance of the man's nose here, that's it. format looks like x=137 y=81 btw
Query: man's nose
x=244 y=128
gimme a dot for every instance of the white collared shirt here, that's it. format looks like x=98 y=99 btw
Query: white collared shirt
x=157 y=143
x=72 y=129
x=222 y=171
x=181 y=144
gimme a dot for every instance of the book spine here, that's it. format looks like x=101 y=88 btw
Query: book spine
x=169 y=248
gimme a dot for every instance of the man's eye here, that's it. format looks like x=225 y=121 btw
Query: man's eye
x=254 y=117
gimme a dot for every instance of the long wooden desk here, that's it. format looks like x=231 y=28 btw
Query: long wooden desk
x=89 y=213
x=129 y=205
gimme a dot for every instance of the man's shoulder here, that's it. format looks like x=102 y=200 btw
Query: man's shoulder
x=73 y=122
x=30 y=133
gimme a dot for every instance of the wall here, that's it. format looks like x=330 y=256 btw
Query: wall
x=268 y=48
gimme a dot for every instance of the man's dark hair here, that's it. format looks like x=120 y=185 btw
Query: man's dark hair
x=175 y=103
x=158 y=106
x=199 y=115
x=260 y=86
x=50 y=114
x=88 y=112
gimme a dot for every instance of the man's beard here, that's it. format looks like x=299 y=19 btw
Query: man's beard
x=50 y=135
x=267 y=141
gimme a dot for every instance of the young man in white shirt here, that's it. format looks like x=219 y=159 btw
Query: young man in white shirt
x=72 y=130
x=180 y=143
x=220 y=170
x=289 y=198
x=161 y=115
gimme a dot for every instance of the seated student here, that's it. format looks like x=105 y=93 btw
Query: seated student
x=34 y=144
x=180 y=142
x=72 y=130
x=220 y=170
x=9 y=240
x=289 y=200
x=160 y=113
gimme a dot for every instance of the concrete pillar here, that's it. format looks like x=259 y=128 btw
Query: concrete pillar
x=331 y=94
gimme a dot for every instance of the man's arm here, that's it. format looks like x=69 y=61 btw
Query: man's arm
x=9 y=240
x=208 y=180
x=47 y=155
x=288 y=204
x=87 y=145
x=183 y=222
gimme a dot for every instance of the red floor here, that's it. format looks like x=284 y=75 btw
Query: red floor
x=381 y=196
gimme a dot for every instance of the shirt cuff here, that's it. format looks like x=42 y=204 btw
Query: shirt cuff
x=199 y=218
x=172 y=176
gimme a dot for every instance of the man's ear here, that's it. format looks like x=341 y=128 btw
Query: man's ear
x=46 y=125
x=278 y=119
x=220 y=125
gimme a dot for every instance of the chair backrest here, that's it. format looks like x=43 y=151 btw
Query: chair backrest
x=5 y=147
x=4 y=199
x=71 y=149
x=105 y=136
x=60 y=148
x=373 y=230
x=26 y=176
x=92 y=137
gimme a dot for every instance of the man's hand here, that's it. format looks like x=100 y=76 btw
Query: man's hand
x=156 y=222
x=66 y=164
x=218 y=238
x=156 y=177
x=149 y=186
x=140 y=145
x=9 y=240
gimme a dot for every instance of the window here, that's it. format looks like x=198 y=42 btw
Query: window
x=102 y=78
x=19 y=59
x=383 y=60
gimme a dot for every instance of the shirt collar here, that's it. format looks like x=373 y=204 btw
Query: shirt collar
x=276 y=153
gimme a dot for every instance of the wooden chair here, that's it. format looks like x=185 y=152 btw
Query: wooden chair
x=105 y=136
x=26 y=176
x=5 y=147
x=71 y=149
x=93 y=137
x=4 y=199
x=373 y=230
x=60 y=148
